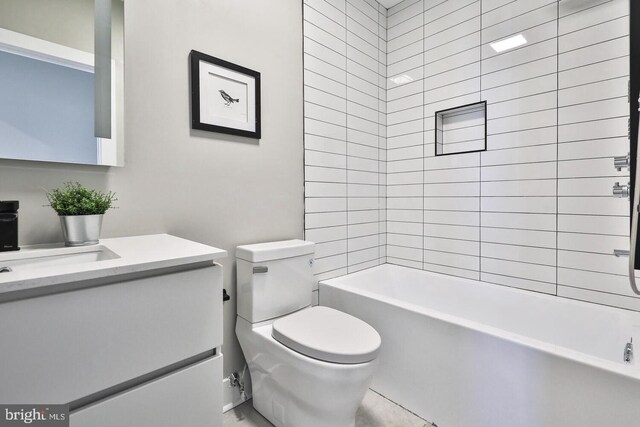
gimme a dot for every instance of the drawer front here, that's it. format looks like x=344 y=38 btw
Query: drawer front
x=191 y=397
x=62 y=347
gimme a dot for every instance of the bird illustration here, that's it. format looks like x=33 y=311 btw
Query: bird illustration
x=228 y=100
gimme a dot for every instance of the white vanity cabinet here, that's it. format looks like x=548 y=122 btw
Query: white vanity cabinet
x=188 y=397
x=140 y=348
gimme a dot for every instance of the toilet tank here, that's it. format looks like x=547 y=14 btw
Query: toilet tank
x=274 y=279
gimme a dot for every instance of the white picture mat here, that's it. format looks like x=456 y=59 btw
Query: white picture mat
x=238 y=115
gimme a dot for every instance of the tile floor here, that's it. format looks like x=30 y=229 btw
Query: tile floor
x=375 y=411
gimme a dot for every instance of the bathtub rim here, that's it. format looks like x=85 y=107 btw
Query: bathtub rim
x=629 y=372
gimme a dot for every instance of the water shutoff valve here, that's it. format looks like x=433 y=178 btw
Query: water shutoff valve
x=621 y=191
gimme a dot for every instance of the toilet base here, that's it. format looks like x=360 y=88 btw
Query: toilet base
x=293 y=390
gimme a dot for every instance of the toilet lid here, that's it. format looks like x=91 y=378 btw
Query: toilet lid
x=327 y=334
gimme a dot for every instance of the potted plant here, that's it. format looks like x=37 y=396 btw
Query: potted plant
x=80 y=210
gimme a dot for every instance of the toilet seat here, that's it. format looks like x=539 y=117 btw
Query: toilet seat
x=327 y=334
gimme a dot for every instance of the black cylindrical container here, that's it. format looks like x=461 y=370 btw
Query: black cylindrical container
x=9 y=225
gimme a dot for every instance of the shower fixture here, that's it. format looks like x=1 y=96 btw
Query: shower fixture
x=621 y=162
x=621 y=191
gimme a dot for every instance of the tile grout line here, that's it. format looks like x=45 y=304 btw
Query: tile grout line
x=400 y=406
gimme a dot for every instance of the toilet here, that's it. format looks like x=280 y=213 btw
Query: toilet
x=309 y=366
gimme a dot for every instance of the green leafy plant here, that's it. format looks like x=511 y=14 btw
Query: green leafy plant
x=75 y=199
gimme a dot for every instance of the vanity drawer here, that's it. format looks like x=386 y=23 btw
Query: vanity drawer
x=191 y=397
x=62 y=347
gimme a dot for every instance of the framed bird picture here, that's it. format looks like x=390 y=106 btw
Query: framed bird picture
x=225 y=97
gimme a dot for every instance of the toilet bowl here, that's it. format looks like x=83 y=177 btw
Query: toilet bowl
x=309 y=366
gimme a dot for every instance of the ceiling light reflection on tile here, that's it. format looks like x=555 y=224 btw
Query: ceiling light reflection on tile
x=401 y=79
x=509 y=43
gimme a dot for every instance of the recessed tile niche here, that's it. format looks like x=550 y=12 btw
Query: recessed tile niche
x=461 y=129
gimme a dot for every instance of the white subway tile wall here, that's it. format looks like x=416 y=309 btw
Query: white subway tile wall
x=535 y=210
x=451 y=203
x=345 y=133
x=404 y=134
x=519 y=176
x=593 y=71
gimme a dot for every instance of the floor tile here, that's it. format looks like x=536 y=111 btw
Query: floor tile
x=375 y=411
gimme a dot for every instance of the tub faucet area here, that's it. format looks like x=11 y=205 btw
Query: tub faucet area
x=628 y=351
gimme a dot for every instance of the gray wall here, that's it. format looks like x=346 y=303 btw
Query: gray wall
x=65 y=22
x=215 y=189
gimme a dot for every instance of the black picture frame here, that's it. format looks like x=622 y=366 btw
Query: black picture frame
x=442 y=112
x=195 y=58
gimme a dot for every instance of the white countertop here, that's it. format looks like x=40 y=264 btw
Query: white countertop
x=134 y=255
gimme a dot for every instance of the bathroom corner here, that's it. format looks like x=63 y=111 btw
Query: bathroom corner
x=185 y=182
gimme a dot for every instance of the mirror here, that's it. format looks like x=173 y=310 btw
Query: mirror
x=47 y=82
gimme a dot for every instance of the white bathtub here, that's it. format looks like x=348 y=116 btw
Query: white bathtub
x=463 y=353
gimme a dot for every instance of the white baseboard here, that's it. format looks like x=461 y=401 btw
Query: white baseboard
x=231 y=395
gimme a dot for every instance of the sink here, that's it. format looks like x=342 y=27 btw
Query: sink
x=53 y=257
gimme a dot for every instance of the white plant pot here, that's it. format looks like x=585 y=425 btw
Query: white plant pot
x=81 y=230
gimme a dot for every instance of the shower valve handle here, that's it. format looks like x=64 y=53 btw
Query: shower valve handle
x=620 y=162
x=621 y=191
